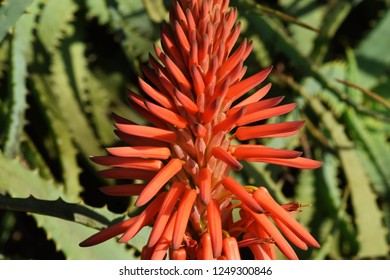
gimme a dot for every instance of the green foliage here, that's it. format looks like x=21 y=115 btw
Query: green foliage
x=10 y=11
x=65 y=67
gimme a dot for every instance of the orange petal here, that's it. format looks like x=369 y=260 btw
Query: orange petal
x=215 y=226
x=123 y=190
x=200 y=102
x=166 y=115
x=240 y=192
x=146 y=253
x=298 y=162
x=234 y=59
x=253 y=98
x=179 y=15
x=199 y=253
x=235 y=75
x=156 y=65
x=164 y=242
x=269 y=204
x=230 y=248
x=263 y=221
x=121 y=120
x=268 y=130
x=166 y=82
x=126 y=173
x=205 y=185
x=179 y=254
x=234 y=33
x=204 y=50
x=140 y=152
x=181 y=37
x=138 y=103
x=161 y=178
x=290 y=235
x=152 y=76
x=267 y=247
x=177 y=74
x=158 y=96
x=187 y=103
x=226 y=30
x=163 y=215
x=292 y=207
x=199 y=130
x=211 y=73
x=139 y=141
x=207 y=250
x=190 y=16
x=159 y=53
x=211 y=110
x=239 y=89
x=259 y=151
x=221 y=154
x=170 y=47
x=128 y=162
x=108 y=233
x=259 y=253
x=218 y=90
x=183 y=214
x=266 y=114
x=143 y=219
x=258 y=106
x=247 y=241
x=230 y=121
x=224 y=7
x=197 y=80
x=148 y=132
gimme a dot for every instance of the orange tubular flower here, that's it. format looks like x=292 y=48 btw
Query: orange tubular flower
x=195 y=97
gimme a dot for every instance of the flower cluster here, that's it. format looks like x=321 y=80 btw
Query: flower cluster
x=195 y=98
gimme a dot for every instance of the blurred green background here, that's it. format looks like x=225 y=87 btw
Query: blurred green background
x=65 y=67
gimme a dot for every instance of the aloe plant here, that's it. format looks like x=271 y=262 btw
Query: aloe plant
x=65 y=67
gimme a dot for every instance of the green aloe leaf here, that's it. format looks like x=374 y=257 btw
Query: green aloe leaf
x=69 y=107
x=335 y=14
x=156 y=10
x=373 y=54
x=137 y=34
x=92 y=94
x=368 y=217
x=10 y=11
x=53 y=22
x=376 y=147
x=4 y=57
x=64 y=145
x=305 y=193
x=18 y=181
x=339 y=227
x=20 y=51
x=305 y=12
x=77 y=213
x=100 y=98
x=98 y=9
x=276 y=36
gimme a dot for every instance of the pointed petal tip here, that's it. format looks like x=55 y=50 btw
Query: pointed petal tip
x=241 y=193
x=183 y=214
x=263 y=197
x=161 y=178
